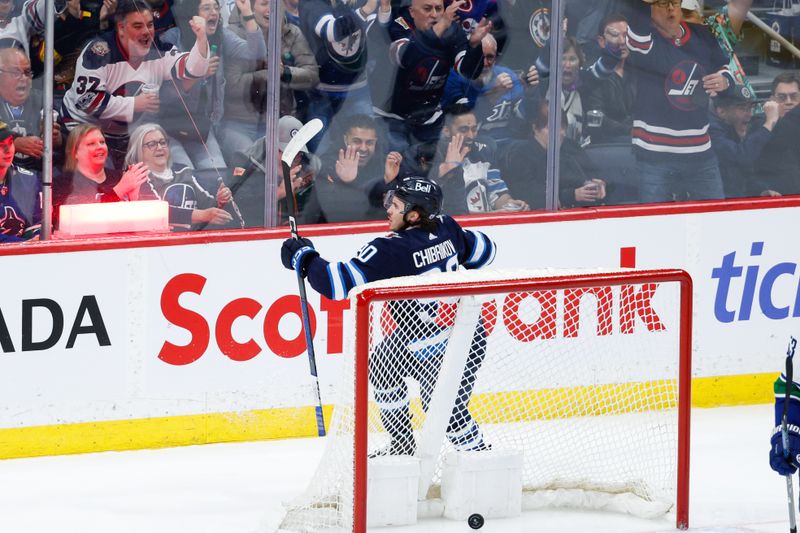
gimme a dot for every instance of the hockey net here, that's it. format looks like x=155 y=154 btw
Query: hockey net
x=586 y=373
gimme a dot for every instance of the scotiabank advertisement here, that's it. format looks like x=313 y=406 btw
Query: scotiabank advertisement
x=162 y=331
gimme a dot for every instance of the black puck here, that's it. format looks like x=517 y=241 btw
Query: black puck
x=475 y=521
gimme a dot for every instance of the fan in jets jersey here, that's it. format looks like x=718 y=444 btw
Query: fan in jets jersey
x=112 y=70
x=421 y=241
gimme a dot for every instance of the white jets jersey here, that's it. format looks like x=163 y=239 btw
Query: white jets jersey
x=106 y=82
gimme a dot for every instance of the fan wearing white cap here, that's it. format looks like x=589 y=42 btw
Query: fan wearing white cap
x=695 y=6
x=679 y=66
x=288 y=126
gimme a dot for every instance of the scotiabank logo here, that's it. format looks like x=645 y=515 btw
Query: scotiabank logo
x=200 y=330
x=735 y=297
x=635 y=304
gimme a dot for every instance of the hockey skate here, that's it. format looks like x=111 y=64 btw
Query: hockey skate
x=405 y=446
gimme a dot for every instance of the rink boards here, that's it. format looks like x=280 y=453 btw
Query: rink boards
x=125 y=344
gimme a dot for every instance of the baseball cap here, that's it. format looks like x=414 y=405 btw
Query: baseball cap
x=5 y=132
x=739 y=94
x=692 y=5
x=288 y=126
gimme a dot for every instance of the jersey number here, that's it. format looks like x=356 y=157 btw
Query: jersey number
x=366 y=253
x=450 y=266
x=83 y=81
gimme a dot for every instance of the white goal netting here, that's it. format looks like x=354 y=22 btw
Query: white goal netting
x=579 y=371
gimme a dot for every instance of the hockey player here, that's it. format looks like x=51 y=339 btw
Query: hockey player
x=421 y=241
x=20 y=195
x=786 y=465
x=113 y=70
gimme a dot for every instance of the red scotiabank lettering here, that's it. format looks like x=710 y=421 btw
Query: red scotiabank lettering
x=335 y=310
x=227 y=344
x=572 y=304
x=545 y=325
x=287 y=347
x=638 y=302
x=633 y=302
x=199 y=330
x=184 y=318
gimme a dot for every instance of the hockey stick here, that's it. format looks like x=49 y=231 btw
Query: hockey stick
x=303 y=135
x=785 y=431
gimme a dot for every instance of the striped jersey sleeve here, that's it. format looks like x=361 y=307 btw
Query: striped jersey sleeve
x=480 y=250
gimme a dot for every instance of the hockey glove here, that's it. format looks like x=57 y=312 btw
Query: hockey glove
x=785 y=466
x=296 y=254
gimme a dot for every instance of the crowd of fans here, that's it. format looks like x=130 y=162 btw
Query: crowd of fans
x=167 y=99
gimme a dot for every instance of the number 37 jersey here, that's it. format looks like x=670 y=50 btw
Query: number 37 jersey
x=106 y=82
x=404 y=253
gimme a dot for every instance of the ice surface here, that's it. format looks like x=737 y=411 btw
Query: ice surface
x=238 y=488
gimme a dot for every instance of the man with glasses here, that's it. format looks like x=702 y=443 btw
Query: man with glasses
x=679 y=65
x=786 y=91
x=779 y=164
x=117 y=75
x=495 y=96
x=21 y=109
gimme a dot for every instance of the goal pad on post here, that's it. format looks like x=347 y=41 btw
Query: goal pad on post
x=585 y=374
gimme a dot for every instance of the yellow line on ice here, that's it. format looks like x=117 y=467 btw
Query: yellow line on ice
x=282 y=423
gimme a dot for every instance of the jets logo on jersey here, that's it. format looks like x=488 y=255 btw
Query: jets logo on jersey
x=11 y=223
x=684 y=86
x=539 y=26
x=180 y=195
x=348 y=51
x=424 y=78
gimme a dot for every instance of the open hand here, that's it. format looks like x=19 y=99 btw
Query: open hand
x=347 y=165
x=715 y=83
x=132 y=179
x=480 y=31
x=211 y=215
x=32 y=146
x=392 y=168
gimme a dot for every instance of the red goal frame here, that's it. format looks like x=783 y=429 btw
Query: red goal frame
x=370 y=295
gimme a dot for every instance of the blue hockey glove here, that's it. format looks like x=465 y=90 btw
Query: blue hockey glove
x=296 y=254
x=785 y=466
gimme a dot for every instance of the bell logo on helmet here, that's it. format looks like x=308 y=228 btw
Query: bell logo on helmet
x=422 y=187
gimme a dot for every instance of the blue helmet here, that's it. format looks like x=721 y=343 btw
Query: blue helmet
x=420 y=193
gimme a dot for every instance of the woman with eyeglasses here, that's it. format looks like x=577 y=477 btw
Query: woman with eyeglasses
x=191 y=135
x=85 y=178
x=191 y=206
